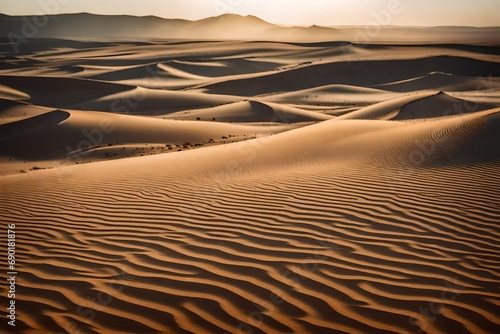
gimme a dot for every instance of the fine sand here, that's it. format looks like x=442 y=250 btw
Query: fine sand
x=252 y=187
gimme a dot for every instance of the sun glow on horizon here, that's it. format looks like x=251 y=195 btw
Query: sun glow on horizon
x=284 y=12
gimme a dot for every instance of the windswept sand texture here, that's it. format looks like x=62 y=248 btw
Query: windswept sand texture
x=252 y=187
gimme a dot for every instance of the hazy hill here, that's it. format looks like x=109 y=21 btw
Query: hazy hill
x=225 y=27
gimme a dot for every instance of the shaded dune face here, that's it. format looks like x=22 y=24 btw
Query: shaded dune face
x=252 y=187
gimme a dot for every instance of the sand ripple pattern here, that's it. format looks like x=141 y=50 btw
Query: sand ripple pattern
x=334 y=248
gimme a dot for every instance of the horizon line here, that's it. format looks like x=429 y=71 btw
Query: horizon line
x=254 y=16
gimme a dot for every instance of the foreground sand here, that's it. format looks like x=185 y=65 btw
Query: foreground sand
x=282 y=188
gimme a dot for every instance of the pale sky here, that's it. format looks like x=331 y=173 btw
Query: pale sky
x=287 y=12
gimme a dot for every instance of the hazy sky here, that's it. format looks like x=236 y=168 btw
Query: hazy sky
x=289 y=12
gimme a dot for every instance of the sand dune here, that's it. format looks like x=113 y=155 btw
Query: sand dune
x=421 y=105
x=439 y=105
x=322 y=251
x=224 y=67
x=11 y=111
x=388 y=109
x=442 y=81
x=252 y=111
x=251 y=187
x=43 y=90
x=358 y=73
x=43 y=121
x=12 y=94
x=332 y=99
x=146 y=101
x=59 y=134
x=103 y=96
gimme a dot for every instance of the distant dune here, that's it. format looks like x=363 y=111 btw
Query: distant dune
x=370 y=73
x=228 y=26
x=194 y=186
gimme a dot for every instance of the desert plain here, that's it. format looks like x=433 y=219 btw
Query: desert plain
x=239 y=186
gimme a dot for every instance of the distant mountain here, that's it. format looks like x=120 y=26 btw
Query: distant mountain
x=234 y=19
x=225 y=27
x=231 y=26
x=90 y=26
